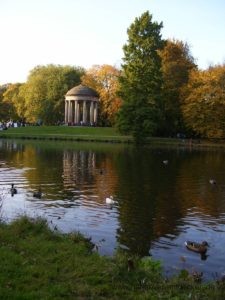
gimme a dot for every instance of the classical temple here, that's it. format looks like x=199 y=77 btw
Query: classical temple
x=81 y=106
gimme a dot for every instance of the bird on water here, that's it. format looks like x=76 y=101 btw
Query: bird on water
x=212 y=181
x=13 y=190
x=197 y=247
x=38 y=194
x=110 y=200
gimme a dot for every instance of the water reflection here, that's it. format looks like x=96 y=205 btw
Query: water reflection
x=78 y=167
x=158 y=206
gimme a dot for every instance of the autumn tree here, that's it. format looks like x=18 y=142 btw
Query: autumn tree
x=3 y=106
x=45 y=89
x=141 y=79
x=177 y=63
x=15 y=103
x=104 y=79
x=204 y=104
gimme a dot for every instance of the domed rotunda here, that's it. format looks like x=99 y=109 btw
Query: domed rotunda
x=81 y=106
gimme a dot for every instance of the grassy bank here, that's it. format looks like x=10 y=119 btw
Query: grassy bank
x=98 y=134
x=66 y=133
x=37 y=263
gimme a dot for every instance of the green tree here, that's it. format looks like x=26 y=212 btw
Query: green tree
x=204 y=104
x=141 y=79
x=45 y=89
x=177 y=63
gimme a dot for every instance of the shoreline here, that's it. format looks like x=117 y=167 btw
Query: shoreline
x=114 y=139
x=41 y=263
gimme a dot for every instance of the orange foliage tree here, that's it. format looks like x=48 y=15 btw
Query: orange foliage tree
x=177 y=63
x=104 y=79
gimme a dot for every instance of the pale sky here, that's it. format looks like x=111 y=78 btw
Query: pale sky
x=88 y=32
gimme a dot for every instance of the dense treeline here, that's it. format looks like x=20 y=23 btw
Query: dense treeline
x=159 y=89
x=163 y=91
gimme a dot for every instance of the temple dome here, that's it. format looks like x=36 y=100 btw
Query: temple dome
x=82 y=90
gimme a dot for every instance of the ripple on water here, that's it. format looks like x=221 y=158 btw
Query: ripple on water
x=158 y=212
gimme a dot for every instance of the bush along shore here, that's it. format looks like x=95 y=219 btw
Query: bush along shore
x=40 y=263
x=100 y=134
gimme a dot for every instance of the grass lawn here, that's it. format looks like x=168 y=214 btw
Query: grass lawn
x=64 y=132
x=99 y=134
x=37 y=263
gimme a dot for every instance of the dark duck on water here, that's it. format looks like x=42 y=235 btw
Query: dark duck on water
x=38 y=194
x=197 y=247
x=13 y=190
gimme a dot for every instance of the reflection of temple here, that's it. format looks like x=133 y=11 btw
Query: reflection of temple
x=11 y=145
x=91 y=171
x=78 y=166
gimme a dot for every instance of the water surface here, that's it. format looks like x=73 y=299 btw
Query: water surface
x=158 y=206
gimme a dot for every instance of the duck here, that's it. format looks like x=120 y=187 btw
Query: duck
x=212 y=181
x=37 y=194
x=13 y=190
x=110 y=200
x=197 y=247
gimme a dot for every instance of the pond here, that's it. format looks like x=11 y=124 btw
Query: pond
x=158 y=205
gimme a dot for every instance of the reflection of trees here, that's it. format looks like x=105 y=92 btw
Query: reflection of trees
x=147 y=210
x=137 y=191
x=63 y=173
x=193 y=187
x=41 y=164
x=155 y=197
x=11 y=151
x=152 y=198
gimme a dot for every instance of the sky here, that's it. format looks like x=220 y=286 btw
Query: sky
x=92 y=32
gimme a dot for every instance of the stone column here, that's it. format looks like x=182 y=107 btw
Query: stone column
x=75 y=113
x=84 y=112
x=71 y=111
x=95 y=113
x=66 y=112
x=78 y=112
x=92 y=113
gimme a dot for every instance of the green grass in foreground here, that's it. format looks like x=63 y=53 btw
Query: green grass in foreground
x=37 y=263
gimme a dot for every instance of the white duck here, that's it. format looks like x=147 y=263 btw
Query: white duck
x=110 y=200
x=212 y=181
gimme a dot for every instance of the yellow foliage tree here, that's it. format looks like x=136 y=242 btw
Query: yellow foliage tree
x=15 y=103
x=204 y=104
